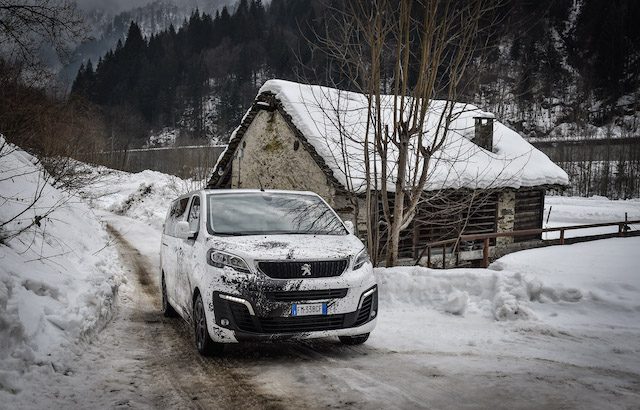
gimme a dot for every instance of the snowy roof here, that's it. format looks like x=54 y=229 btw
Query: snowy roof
x=332 y=124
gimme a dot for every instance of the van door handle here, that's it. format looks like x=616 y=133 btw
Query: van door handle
x=164 y=244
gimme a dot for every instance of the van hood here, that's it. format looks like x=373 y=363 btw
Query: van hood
x=261 y=247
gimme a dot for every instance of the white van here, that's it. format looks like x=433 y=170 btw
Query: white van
x=264 y=265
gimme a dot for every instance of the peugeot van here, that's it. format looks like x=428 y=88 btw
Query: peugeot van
x=245 y=265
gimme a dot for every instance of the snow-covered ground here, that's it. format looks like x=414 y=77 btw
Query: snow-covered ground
x=58 y=278
x=568 y=211
x=553 y=327
x=586 y=294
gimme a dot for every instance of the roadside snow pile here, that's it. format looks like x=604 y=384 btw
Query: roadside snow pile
x=458 y=291
x=57 y=278
x=144 y=196
x=592 y=284
x=602 y=275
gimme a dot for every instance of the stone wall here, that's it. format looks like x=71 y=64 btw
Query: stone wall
x=506 y=215
x=272 y=156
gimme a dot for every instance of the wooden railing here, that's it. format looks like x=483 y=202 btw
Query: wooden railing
x=623 y=228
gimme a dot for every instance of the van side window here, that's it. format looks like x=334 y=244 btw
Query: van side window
x=194 y=215
x=176 y=213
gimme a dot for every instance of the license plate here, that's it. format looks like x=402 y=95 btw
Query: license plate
x=308 y=309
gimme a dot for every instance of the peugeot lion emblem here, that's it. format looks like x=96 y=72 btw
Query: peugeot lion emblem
x=306 y=269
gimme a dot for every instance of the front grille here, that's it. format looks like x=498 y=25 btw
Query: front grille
x=365 y=311
x=303 y=269
x=298 y=295
x=301 y=324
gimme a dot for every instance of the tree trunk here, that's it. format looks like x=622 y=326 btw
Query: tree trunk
x=398 y=206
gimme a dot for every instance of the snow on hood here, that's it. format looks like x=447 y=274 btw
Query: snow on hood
x=258 y=247
x=327 y=116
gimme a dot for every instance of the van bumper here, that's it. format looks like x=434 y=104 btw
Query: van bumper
x=238 y=318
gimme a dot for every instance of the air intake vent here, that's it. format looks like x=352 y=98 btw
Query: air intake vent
x=300 y=295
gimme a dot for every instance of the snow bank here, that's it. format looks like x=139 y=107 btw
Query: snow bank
x=460 y=292
x=602 y=275
x=331 y=119
x=57 y=278
x=592 y=283
x=144 y=196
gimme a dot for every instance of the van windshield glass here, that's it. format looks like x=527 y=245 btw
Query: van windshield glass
x=264 y=213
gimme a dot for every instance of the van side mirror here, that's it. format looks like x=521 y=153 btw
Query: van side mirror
x=183 y=230
x=349 y=226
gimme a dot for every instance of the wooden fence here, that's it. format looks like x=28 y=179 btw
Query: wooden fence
x=623 y=230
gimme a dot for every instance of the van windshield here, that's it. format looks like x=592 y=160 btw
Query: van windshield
x=263 y=213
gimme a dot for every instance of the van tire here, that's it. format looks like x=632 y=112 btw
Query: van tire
x=354 y=340
x=167 y=309
x=204 y=344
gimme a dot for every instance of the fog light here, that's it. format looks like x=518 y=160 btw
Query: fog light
x=224 y=322
x=373 y=313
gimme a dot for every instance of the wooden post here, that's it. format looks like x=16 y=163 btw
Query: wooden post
x=485 y=253
x=562 y=237
x=456 y=249
x=428 y=256
x=626 y=226
x=444 y=256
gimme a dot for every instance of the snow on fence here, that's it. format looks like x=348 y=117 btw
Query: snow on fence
x=193 y=161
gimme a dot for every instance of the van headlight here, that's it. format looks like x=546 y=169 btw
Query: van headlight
x=360 y=259
x=221 y=259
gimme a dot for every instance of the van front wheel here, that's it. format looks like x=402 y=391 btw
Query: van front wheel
x=204 y=344
x=354 y=340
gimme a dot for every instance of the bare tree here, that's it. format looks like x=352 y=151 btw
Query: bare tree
x=416 y=52
x=26 y=26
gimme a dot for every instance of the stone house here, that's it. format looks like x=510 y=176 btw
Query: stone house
x=486 y=178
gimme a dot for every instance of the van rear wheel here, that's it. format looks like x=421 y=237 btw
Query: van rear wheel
x=354 y=340
x=204 y=344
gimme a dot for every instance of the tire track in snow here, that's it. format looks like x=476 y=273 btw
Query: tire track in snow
x=186 y=379
x=135 y=261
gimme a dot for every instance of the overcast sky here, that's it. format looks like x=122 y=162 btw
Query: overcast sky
x=116 y=6
x=110 y=5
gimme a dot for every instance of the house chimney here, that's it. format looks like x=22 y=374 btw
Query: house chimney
x=484 y=132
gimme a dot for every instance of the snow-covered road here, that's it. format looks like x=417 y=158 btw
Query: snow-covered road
x=144 y=360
